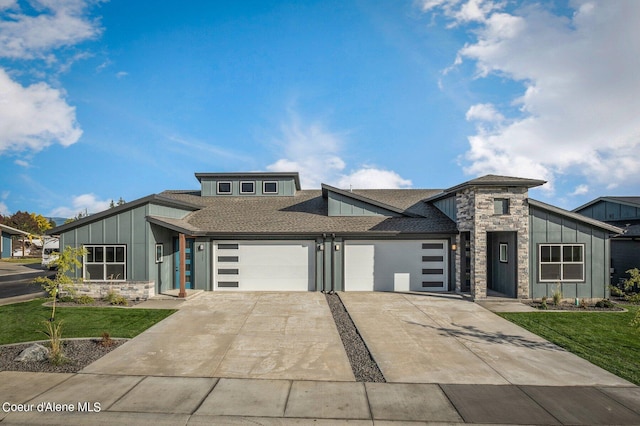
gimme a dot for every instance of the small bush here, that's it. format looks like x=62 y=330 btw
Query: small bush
x=54 y=333
x=106 y=339
x=116 y=299
x=584 y=304
x=557 y=296
x=633 y=298
x=543 y=304
x=604 y=303
x=616 y=291
x=67 y=298
x=84 y=300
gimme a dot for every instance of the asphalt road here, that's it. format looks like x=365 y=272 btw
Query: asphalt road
x=17 y=280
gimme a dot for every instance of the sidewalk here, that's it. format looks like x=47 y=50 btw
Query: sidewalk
x=144 y=400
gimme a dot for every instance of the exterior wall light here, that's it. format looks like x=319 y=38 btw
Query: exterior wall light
x=201 y=247
x=321 y=247
x=454 y=247
x=337 y=247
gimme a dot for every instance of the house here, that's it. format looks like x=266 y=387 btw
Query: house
x=623 y=212
x=6 y=240
x=261 y=231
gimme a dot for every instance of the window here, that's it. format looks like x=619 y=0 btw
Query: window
x=224 y=187
x=105 y=263
x=159 y=253
x=561 y=262
x=247 y=187
x=501 y=206
x=504 y=250
x=270 y=187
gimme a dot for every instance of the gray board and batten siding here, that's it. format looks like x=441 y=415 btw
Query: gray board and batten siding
x=447 y=206
x=610 y=211
x=340 y=205
x=547 y=227
x=286 y=184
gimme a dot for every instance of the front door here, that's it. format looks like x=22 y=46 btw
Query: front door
x=188 y=263
x=502 y=264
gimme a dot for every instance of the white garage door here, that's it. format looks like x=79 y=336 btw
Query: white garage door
x=396 y=265
x=264 y=265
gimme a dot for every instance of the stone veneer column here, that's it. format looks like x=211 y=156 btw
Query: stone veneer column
x=475 y=214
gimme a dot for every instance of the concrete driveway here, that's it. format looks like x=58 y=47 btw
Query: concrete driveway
x=238 y=335
x=444 y=339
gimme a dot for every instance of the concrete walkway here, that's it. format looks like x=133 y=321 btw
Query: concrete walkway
x=242 y=335
x=445 y=339
x=271 y=359
x=153 y=400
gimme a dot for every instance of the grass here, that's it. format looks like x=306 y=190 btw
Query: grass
x=603 y=338
x=22 y=322
x=23 y=260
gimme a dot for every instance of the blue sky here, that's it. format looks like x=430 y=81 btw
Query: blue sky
x=101 y=100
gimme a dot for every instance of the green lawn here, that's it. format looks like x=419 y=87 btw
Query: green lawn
x=23 y=260
x=22 y=322
x=604 y=339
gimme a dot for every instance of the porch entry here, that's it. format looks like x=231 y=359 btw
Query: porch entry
x=188 y=262
x=502 y=263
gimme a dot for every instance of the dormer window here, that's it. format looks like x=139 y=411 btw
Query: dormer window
x=269 y=187
x=224 y=187
x=248 y=187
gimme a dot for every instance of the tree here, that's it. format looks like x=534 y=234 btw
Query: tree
x=23 y=221
x=42 y=222
x=633 y=281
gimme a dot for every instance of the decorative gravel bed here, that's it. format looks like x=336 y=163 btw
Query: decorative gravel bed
x=79 y=354
x=364 y=367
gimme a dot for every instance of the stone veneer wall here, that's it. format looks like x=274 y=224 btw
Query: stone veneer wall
x=475 y=214
x=131 y=290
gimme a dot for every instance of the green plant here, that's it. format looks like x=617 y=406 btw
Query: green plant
x=84 y=300
x=543 y=304
x=584 y=304
x=66 y=299
x=633 y=298
x=635 y=322
x=106 y=339
x=616 y=291
x=604 y=303
x=633 y=281
x=54 y=333
x=557 y=296
x=116 y=299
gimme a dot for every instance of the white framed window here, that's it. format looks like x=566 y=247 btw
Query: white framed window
x=159 y=253
x=247 y=187
x=504 y=252
x=561 y=262
x=224 y=187
x=270 y=187
x=105 y=263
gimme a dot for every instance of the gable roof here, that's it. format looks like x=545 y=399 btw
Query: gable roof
x=576 y=216
x=153 y=198
x=304 y=213
x=628 y=201
x=489 y=180
x=12 y=231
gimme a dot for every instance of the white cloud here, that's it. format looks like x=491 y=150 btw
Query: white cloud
x=121 y=74
x=580 y=190
x=81 y=203
x=581 y=97
x=22 y=163
x=4 y=210
x=484 y=112
x=58 y=23
x=34 y=117
x=315 y=153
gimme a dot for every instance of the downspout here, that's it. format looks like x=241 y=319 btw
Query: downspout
x=333 y=262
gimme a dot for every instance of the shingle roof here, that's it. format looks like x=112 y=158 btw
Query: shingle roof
x=489 y=180
x=304 y=213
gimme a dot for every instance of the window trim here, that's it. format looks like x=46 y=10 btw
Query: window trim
x=104 y=263
x=218 y=191
x=159 y=253
x=503 y=249
x=562 y=262
x=252 y=182
x=264 y=184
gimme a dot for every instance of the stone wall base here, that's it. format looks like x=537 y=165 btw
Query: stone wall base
x=131 y=290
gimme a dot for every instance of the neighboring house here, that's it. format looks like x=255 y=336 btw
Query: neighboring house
x=623 y=212
x=260 y=231
x=6 y=241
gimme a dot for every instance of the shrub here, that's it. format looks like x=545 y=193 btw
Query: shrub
x=584 y=304
x=54 y=333
x=116 y=299
x=85 y=300
x=604 y=303
x=67 y=298
x=557 y=296
x=633 y=298
x=616 y=291
x=633 y=281
x=106 y=339
x=543 y=304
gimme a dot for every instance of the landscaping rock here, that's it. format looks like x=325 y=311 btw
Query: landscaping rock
x=35 y=352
